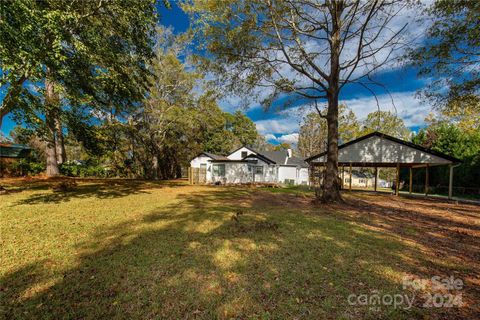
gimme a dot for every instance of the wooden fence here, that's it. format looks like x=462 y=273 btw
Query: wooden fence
x=197 y=175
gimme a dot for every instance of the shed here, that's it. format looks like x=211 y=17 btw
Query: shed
x=381 y=150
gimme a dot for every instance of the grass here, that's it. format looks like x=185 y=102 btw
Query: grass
x=133 y=249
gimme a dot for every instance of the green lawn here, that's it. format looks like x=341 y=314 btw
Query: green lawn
x=145 y=250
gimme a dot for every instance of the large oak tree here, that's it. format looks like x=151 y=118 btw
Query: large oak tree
x=58 y=56
x=306 y=48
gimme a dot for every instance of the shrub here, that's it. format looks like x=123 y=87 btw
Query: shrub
x=27 y=167
x=82 y=169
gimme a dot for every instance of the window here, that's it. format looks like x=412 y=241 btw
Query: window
x=244 y=154
x=219 y=170
x=258 y=170
x=347 y=180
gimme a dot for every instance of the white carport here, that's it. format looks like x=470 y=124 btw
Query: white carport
x=378 y=150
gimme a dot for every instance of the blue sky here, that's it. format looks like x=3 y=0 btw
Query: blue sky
x=282 y=126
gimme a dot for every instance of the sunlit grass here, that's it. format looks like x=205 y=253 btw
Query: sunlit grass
x=169 y=250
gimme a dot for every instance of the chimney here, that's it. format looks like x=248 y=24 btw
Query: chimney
x=289 y=153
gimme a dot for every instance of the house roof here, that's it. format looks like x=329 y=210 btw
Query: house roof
x=270 y=157
x=277 y=156
x=255 y=151
x=215 y=156
x=261 y=157
x=294 y=161
x=212 y=156
x=14 y=150
x=393 y=139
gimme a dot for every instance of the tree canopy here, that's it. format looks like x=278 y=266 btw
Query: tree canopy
x=450 y=52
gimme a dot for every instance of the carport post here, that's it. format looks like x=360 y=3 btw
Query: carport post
x=426 y=180
x=343 y=177
x=410 y=181
x=397 y=184
x=450 y=183
x=350 y=181
x=376 y=174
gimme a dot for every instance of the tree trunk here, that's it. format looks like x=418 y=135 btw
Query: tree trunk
x=331 y=186
x=60 y=143
x=50 y=110
x=155 y=167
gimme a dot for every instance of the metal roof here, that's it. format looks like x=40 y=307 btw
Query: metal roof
x=414 y=148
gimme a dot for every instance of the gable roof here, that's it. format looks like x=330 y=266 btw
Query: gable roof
x=212 y=156
x=277 y=156
x=393 y=139
x=261 y=157
x=215 y=156
x=254 y=151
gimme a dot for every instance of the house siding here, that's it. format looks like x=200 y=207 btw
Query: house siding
x=237 y=155
x=245 y=172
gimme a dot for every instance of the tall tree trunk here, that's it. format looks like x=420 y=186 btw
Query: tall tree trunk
x=331 y=187
x=60 y=143
x=50 y=116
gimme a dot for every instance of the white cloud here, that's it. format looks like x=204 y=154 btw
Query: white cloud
x=270 y=136
x=405 y=104
x=291 y=138
x=277 y=126
x=412 y=110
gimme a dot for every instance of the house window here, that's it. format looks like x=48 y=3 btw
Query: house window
x=219 y=170
x=347 y=180
x=259 y=170
x=244 y=154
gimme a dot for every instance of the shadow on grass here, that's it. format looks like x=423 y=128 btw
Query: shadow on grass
x=96 y=188
x=191 y=260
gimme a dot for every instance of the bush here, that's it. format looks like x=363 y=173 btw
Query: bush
x=82 y=169
x=27 y=167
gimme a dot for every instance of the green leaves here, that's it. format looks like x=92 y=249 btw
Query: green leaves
x=450 y=51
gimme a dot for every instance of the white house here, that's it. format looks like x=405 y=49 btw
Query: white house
x=363 y=179
x=246 y=165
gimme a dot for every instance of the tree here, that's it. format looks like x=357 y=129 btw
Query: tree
x=451 y=139
x=310 y=48
x=463 y=111
x=86 y=54
x=312 y=137
x=450 y=52
x=385 y=122
x=282 y=146
x=243 y=128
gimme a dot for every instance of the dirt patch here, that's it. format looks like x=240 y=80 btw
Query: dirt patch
x=446 y=233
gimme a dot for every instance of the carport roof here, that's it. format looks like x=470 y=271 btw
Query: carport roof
x=377 y=149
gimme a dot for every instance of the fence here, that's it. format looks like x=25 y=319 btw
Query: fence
x=197 y=175
x=463 y=192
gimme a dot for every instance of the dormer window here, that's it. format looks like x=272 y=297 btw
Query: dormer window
x=244 y=154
